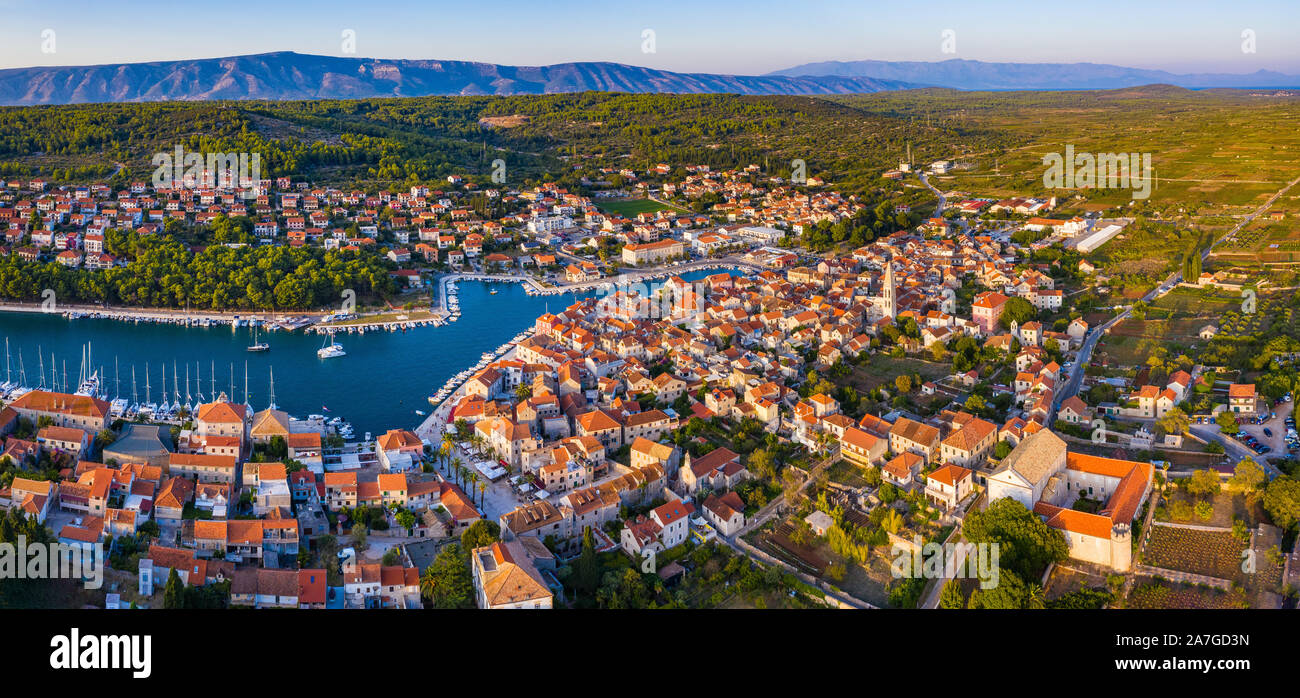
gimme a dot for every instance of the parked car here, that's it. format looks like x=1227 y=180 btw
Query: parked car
x=1268 y=432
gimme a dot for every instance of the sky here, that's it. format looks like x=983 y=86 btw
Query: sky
x=713 y=36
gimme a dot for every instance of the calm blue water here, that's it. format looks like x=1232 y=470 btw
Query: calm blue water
x=384 y=378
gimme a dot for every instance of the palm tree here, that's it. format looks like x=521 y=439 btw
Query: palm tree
x=473 y=480
x=1035 y=596
x=455 y=466
x=482 y=492
x=427 y=583
x=448 y=445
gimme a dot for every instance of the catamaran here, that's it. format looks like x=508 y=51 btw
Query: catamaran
x=330 y=349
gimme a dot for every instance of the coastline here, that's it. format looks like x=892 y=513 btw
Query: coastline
x=314 y=318
x=172 y=315
x=432 y=426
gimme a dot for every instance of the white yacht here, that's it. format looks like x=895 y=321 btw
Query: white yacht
x=330 y=349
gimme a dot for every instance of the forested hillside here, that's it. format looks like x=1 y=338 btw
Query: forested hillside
x=376 y=141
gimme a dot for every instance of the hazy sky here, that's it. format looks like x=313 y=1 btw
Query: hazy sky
x=697 y=35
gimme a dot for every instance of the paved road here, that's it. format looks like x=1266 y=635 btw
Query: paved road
x=1077 y=368
x=1236 y=451
x=931 y=599
x=938 y=211
x=1232 y=450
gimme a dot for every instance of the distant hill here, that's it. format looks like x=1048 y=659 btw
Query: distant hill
x=978 y=75
x=287 y=75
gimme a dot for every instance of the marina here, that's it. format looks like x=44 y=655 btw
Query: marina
x=376 y=380
x=380 y=382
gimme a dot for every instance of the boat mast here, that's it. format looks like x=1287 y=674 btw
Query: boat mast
x=135 y=397
x=148 y=397
x=272 y=405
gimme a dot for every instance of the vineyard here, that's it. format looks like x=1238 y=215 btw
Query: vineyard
x=1160 y=594
x=1209 y=553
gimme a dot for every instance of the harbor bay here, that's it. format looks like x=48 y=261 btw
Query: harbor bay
x=381 y=382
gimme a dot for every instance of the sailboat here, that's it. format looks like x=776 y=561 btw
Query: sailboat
x=330 y=349
x=256 y=345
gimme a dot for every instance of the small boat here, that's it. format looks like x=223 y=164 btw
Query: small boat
x=256 y=345
x=421 y=412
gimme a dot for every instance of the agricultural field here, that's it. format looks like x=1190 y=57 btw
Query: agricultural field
x=1199 y=167
x=1204 y=302
x=1066 y=581
x=1144 y=254
x=1175 y=321
x=881 y=370
x=1227 y=507
x=1269 y=239
x=847 y=474
x=1150 y=593
x=1215 y=554
x=1210 y=553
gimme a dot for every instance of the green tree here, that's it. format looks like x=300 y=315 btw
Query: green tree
x=174 y=592
x=1011 y=592
x=952 y=595
x=1282 y=501
x=1175 y=421
x=1026 y=545
x=1203 y=482
x=447 y=582
x=1247 y=476
x=1016 y=310
x=480 y=533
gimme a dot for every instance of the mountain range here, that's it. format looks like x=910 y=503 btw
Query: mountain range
x=965 y=74
x=287 y=75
